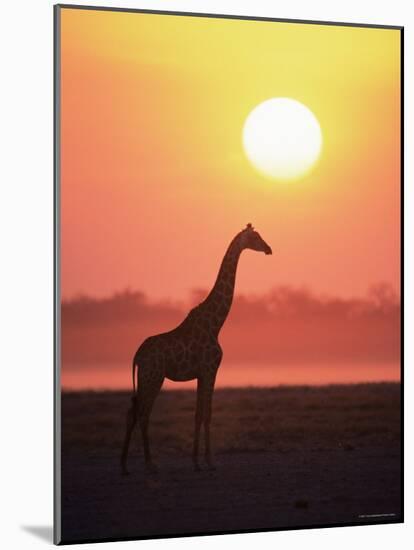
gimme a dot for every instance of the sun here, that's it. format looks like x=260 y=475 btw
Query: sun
x=282 y=138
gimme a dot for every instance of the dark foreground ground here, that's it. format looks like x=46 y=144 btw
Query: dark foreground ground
x=286 y=457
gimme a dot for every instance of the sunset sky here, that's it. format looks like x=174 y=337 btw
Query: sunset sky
x=154 y=179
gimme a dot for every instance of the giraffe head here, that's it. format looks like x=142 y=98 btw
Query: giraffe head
x=251 y=239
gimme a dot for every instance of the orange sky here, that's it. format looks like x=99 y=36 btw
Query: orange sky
x=154 y=179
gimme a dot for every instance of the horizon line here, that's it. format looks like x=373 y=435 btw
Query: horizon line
x=245 y=387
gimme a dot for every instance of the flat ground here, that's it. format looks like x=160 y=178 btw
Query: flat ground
x=286 y=457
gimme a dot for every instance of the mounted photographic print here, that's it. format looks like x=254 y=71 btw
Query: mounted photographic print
x=228 y=282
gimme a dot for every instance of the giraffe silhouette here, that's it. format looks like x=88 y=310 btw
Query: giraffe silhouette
x=190 y=351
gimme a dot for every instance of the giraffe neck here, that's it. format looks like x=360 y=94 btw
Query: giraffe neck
x=217 y=305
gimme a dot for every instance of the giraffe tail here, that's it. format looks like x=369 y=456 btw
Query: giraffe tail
x=134 y=385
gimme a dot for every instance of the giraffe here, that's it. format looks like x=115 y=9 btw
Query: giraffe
x=189 y=351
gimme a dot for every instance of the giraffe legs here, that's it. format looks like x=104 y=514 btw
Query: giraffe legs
x=198 y=422
x=131 y=420
x=147 y=394
x=141 y=410
x=208 y=397
x=205 y=388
